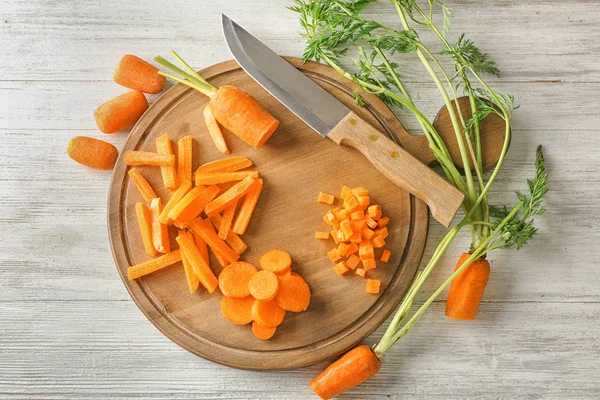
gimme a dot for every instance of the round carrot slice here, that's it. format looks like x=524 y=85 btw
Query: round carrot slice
x=262 y=332
x=233 y=280
x=238 y=311
x=294 y=294
x=267 y=313
x=276 y=261
x=263 y=285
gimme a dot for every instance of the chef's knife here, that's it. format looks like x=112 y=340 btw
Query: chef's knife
x=330 y=118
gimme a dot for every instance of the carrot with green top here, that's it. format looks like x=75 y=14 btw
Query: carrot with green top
x=466 y=290
x=135 y=73
x=121 y=112
x=92 y=152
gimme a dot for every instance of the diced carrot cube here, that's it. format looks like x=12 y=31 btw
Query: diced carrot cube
x=335 y=235
x=358 y=226
x=373 y=286
x=342 y=214
x=363 y=201
x=346 y=229
x=367 y=233
x=356 y=238
x=332 y=220
x=333 y=255
x=337 y=209
x=326 y=198
x=385 y=255
x=365 y=242
x=342 y=249
x=365 y=251
x=378 y=242
x=351 y=204
x=383 y=221
x=322 y=235
x=371 y=223
x=369 y=263
x=383 y=232
x=346 y=191
x=341 y=268
x=352 y=261
x=360 y=272
x=373 y=210
x=352 y=248
x=356 y=215
x=360 y=191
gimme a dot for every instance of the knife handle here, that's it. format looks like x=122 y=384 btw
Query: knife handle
x=399 y=166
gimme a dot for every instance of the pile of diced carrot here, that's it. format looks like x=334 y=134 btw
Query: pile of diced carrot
x=358 y=229
x=262 y=297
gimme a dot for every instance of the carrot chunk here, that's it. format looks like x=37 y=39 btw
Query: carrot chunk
x=149 y=158
x=264 y=285
x=229 y=164
x=360 y=191
x=121 y=112
x=192 y=279
x=365 y=251
x=351 y=204
x=358 y=226
x=199 y=265
x=142 y=185
x=373 y=286
x=340 y=268
x=374 y=211
x=346 y=191
x=369 y=263
x=322 y=235
x=176 y=197
x=378 y=242
x=353 y=261
x=267 y=313
x=160 y=232
x=184 y=159
x=335 y=235
x=215 y=131
x=139 y=270
x=275 y=261
x=385 y=255
x=360 y=272
x=163 y=146
x=247 y=208
x=371 y=223
x=367 y=233
x=357 y=215
x=383 y=232
x=325 y=198
x=192 y=204
x=262 y=332
x=363 y=201
x=214 y=178
x=230 y=196
x=135 y=73
x=352 y=248
x=356 y=238
x=294 y=294
x=346 y=229
x=205 y=230
x=92 y=152
x=342 y=249
x=383 y=221
x=332 y=220
x=234 y=279
x=333 y=255
x=237 y=311
x=145 y=223
x=202 y=246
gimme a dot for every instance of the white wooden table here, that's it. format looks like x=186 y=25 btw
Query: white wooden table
x=68 y=328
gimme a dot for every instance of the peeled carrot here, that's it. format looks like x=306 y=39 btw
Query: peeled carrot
x=263 y=285
x=341 y=268
x=346 y=191
x=247 y=208
x=229 y=164
x=240 y=113
x=467 y=288
x=275 y=261
x=267 y=313
x=215 y=131
x=283 y=274
x=160 y=232
x=192 y=204
x=360 y=272
x=351 y=204
x=237 y=311
x=352 y=248
x=365 y=251
x=322 y=235
x=342 y=249
x=353 y=261
x=137 y=271
x=205 y=230
x=184 y=159
x=294 y=294
x=234 y=279
x=225 y=224
x=121 y=112
x=333 y=255
x=382 y=232
x=176 y=197
x=262 y=332
x=378 y=242
x=149 y=158
x=233 y=239
x=230 y=196
x=346 y=228
x=352 y=369
x=360 y=191
x=373 y=286
x=325 y=198
x=383 y=221
x=135 y=73
x=192 y=279
x=145 y=223
x=163 y=146
x=385 y=255
x=369 y=264
x=142 y=184
x=214 y=178
x=202 y=246
x=201 y=268
x=92 y=152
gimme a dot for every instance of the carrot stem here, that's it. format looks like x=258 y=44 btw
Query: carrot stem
x=200 y=85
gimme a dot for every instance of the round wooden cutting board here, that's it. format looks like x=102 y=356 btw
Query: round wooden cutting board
x=296 y=164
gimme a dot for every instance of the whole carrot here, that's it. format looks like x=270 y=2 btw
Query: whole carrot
x=352 y=369
x=121 y=112
x=135 y=73
x=92 y=152
x=467 y=288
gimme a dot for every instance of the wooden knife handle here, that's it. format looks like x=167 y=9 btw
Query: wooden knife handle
x=399 y=166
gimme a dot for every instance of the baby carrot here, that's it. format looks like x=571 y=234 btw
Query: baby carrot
x=192 y=279
x=234 y=279
x=163 y=146
x=121 y=112
x=237 y=311
x=200 y=267
x=184 y=159
x=230 y=196
x=229 y=164
x=139 y=270
x=275 y=261
x=263 y=285
x=149 y=158
x=176 y=197
x=142 y=184
x=145 y=223
x=262 y=332
x=215 y=131
x=267 y=313
x=247 y=208
x=467 y=288
x=135 y=73
x=92 y=152
x=294 y=294
x=160 y=232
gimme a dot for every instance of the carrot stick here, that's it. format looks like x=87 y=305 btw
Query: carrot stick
x=184 y=159
x=262 y=332
x=135 y=73
x=205 y=230
x=267 y=313
x=230 y=196
x=142 y=184
x=240 y=113
x=237 y=311
x=229 y=164
x=200 y=267
x=247 y=208
x=294 y=294
x=263 y=285
x=163 y=146
x=121 y=112
x=352 y=369
x=234 y=279
x=201 y=245
x=176 y=197
x=275 y=261
x=467 y=288
x=145 y=223
x=213 y=178
x=160 y=232
x=149 y=158
x=233 y=239
x=139 y=270
x=215 y=131
x=192 y=204
x=192 y=279
x=225 y=224
x=92 y=152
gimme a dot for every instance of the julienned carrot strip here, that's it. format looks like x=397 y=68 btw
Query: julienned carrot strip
x=163 y=146
x=192 y=279
x=192 y=204
x=145 y=223
x=237 y=311
x=262 y=332
x=233 y=239
x=240 y=113
x=135 y=73
x=467 y=288
x=264 y=285
x=205 y=230
x=247 y=208
x=121 y=112
x=227 y=219
x=215 y=131
x=92 y=152
x=230 y=196
x=229 y=164
x=200 y=267
x=294 y=294
x=214 y=178
x=352 y=369
x=184 y=159
x=153 y=265
x=142 y=184
x=176 y=197
x=149 y=158
x=201 y=245
x=267 y=313
x=234 y=279
x=160 y=232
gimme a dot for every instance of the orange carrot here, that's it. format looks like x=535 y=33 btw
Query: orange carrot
x=357 y=215
x=234 y=279
x=367 y=233
x=201 y=268
x=346 y=228
x=217 y=255
x=374 y=211
x=145 y=223
x=378 y=242
x=335 y=235
x=360 y=191
x=340 y=268
x=342 y=249
x=358 y=226
x=351 y=204
x=360 y=272
x=230 y=196
x=267 y=313
x=149 y=158
x=192 y=204
x=176 y=197
x=325 y=198
x=225 y=224
x=92 y=152
x=284 y=274
x=262 y=332
x=160 y=232
x=163 y=146
x=205 y=230
x=382 y=232
x=341 y=214
x=346 y=191
x=142 y=184
x=383 y=221
x=333 y=255
x=202 y=246
x=247 y=208
x=121 y=112
x=237 y=311
x=363 y=201
x=373 y=286
x=240 y=113
x=332 y=220
x=215 y=131
x=352 y=248
x=233 y=239
x=192 y=279
x=263 y=285
x=365 y=251
x=356 y=238
x=353 y=261
x=135 y=73
x=294 y=294
x=371 y=223
x=352 y=369
x=275 y=261
x=229 y=164
x=214 y=178
x=139 y=270
x=322 y=235
x=185 y=147
x=369 y=264
x=385 y=255
x=467 y=288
